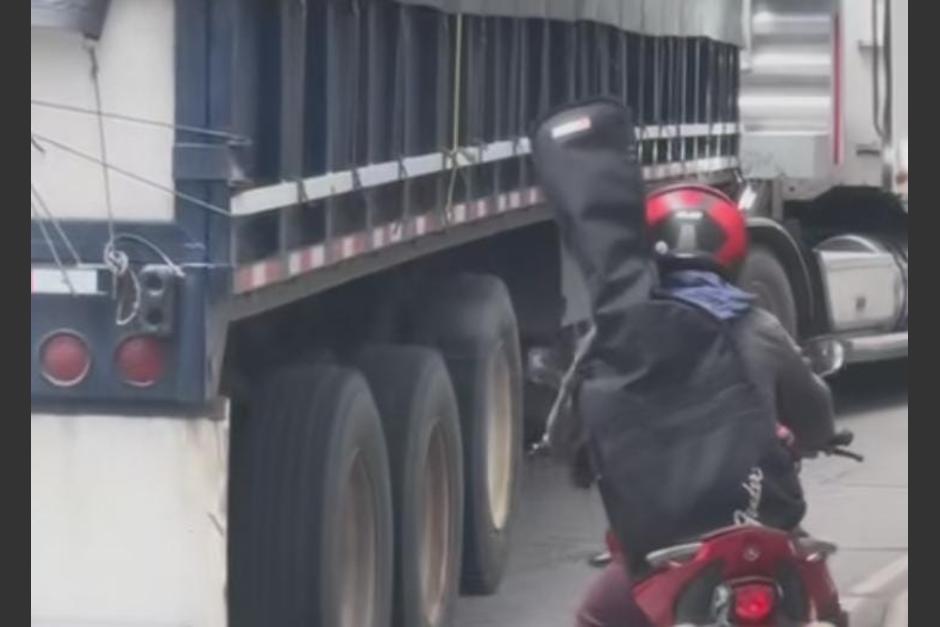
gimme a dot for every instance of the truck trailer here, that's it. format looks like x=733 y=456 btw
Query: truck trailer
x=291 y=276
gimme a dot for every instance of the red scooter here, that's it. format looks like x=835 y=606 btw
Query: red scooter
x=744 y=575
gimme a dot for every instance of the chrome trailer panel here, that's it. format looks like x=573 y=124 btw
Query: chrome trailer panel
x=808 y=89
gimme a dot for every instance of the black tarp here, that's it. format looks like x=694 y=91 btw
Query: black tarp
x=715 y=19
x=674 y=425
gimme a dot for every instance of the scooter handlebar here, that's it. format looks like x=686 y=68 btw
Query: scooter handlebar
x=841 y=439
x=841 y=452
x=837 y=446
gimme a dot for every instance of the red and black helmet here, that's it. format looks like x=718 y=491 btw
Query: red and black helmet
x=696 y=227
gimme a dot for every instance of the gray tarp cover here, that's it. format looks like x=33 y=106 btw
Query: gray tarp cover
x=715 y=19
x=82 y=16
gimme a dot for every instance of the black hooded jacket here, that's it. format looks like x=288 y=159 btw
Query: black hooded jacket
x=679 y=407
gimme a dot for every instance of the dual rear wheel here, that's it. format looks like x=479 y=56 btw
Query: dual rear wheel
x=369 y=494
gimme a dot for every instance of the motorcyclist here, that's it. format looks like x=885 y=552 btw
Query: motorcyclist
x=685 y=380
x=700 y=240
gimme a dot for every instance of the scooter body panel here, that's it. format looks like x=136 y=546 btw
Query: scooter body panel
x=730 y=558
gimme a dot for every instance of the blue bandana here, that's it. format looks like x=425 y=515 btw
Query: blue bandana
x=708 y=291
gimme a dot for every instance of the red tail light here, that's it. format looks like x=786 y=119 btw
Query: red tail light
x=754 y=603
x=140 y=360
x=64 y=359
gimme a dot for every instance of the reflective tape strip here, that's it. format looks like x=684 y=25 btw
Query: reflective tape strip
x=261 y=274
x=50 y=280
x=286 y=194
x=257 y=275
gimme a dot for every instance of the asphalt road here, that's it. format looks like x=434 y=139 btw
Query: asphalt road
x=861 y=507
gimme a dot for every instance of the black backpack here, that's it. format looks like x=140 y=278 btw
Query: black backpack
x=674 y=426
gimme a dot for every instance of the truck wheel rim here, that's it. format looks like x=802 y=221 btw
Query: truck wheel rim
x=358 y=565
x=499 y=441
x=436 y=559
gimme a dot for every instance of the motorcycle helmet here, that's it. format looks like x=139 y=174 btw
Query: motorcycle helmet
x=696 y=227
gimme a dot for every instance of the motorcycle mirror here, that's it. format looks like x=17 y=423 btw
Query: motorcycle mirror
x=826 y=356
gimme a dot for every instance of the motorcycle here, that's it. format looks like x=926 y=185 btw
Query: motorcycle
x=744 y=575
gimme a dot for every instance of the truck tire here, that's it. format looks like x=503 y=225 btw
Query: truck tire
x=764 y=276
x=471 y=320
x=422 y=426
x=310 y=539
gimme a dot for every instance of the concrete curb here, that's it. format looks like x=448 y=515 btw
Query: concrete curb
x=896 y=616
x=867 y=612
x=868 y=602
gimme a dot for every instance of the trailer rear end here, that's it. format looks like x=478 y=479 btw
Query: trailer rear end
x=289 y=261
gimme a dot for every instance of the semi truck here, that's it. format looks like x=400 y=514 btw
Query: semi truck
x=824 y=155
x=293 y=282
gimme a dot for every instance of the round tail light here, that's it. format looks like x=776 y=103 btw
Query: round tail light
x=754 y=603
x=64 y=359
x=141 y=360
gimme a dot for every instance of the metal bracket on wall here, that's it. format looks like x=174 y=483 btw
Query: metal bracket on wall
x=870 y=149
x=209 y=162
